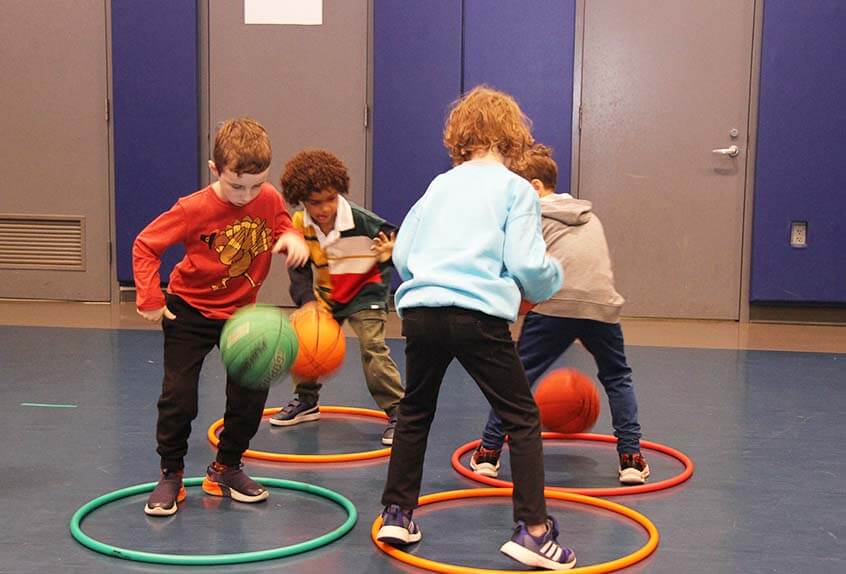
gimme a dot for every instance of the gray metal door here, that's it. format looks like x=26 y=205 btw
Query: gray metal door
x=664 y=83
x=54 y=203
x=306 y=84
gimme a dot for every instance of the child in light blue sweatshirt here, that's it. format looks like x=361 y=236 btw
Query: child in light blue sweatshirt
x=467 y=251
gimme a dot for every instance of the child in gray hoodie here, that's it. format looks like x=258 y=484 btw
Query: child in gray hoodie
x=586 y=308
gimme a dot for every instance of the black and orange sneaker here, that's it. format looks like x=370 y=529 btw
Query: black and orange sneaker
x=633 y=468
x=485 y=461
x=168 y=492
x=231 y=481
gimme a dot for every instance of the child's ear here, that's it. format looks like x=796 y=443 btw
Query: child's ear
x=213 y=169
x=537 y=184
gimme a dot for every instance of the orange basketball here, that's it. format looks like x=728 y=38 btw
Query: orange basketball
x=321 y=342
x=568 y=401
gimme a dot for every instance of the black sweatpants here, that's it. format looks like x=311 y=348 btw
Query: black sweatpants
x=187 y=341
x=483 y=346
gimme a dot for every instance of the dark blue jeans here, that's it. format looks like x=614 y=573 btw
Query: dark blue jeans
x=483 y=345
x=543 y=339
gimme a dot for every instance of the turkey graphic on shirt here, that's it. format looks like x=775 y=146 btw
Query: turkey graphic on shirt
x=237 y=245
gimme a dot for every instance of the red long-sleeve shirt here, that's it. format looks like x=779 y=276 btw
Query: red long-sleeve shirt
x=227 y=251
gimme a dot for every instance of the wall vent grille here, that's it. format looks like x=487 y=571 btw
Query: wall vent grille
x=42 y=242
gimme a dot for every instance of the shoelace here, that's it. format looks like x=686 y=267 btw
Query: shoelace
x=487 y=453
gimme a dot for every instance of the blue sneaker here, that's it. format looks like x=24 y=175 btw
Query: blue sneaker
x=397 y=527
x=543 y=552
x=294 y=413
x=168 y=492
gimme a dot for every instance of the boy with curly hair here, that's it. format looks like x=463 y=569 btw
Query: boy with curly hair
x=349 y=275
x=229 y=230
x=466 y=251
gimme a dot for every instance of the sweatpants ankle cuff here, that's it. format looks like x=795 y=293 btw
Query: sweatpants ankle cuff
x=170 y=465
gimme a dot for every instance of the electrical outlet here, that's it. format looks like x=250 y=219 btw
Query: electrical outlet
x=798 y=233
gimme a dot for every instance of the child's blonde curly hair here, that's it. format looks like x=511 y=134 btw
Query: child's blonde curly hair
x=484 y=119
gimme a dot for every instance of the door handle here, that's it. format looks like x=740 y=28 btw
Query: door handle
x=730 y=151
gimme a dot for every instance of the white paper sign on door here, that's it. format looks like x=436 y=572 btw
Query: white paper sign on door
x=301 y=12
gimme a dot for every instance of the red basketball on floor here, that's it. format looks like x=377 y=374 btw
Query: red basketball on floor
x=568 y=401
x=321 y=342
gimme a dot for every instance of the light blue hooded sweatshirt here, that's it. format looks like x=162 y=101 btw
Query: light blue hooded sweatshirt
x=474 y=241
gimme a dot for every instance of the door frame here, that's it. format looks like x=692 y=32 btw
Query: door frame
x=751 y=144
x=115 y=289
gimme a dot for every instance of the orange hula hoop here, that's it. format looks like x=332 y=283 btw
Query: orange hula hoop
x=311 y=458
x=600 y=568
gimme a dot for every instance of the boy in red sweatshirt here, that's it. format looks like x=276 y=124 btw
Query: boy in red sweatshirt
x=229 y=230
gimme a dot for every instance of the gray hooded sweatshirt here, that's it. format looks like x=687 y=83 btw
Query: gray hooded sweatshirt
x=575 y=237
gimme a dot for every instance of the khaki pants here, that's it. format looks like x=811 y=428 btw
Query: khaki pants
x=380 y=371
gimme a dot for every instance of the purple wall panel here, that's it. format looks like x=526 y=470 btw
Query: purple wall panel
x=801 y=172
x=417 y=74
x=526 y=49
x=156 y=117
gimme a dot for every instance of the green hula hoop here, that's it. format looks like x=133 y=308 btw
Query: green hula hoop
x=213 y=559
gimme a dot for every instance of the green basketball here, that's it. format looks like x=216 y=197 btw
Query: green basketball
x=257 y=346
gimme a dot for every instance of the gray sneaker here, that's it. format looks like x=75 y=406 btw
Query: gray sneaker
x=294 y=413
x=168 y=492
x=388 y=433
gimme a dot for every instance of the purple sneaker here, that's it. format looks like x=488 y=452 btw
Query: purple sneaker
x=231 y=481
x=168 y=492
x=543 y=552
x=398 y=527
